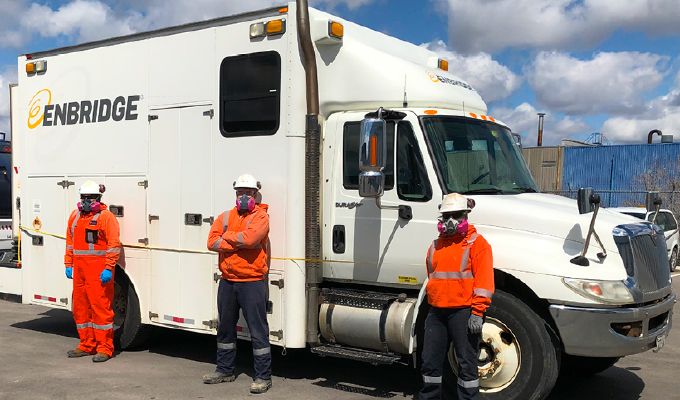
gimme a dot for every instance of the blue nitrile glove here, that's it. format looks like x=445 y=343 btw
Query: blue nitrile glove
x=105 y=277
x=69 y=272
x=475 y=324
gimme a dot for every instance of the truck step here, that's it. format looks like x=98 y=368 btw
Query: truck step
x=357 y=298
x=8 y=258
x=368 y=356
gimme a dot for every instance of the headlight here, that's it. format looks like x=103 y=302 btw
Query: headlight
x=612 y=292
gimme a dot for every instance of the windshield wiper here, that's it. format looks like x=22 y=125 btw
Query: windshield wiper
x=525 y=189
x=484 y=191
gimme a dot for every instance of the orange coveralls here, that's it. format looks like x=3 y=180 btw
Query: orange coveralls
x=92 y=245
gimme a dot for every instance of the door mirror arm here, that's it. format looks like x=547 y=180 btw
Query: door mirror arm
x=405 y=212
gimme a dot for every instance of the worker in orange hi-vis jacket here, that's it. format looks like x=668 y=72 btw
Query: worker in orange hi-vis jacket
x=240 y=237
x=92 y=251
x=459 y=289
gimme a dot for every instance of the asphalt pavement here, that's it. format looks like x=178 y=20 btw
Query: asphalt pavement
x=33 y=365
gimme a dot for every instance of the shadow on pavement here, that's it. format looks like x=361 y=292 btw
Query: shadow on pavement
x=381 y=381
x=613 y=384
x=342 y=375
x=54 y=322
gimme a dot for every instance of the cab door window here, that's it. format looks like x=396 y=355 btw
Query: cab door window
x=412 y=181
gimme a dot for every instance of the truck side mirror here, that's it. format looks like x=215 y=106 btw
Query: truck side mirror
x=589 y=201
x=584 y=199
x=372 y=157
x=652 y=201
x=518 y=139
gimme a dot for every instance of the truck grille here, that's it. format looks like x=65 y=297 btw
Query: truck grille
x=643 y=250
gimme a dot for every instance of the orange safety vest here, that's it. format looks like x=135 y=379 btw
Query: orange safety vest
x=242 y=242
x=460 y=272
x=93 y=239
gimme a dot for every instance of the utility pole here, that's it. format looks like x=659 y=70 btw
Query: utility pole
x=540 y=129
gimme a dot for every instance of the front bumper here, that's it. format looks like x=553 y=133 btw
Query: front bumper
x=590 y=331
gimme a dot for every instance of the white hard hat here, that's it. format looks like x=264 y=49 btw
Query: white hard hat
x=247 y=181
x=91 y=187
x=453 y=202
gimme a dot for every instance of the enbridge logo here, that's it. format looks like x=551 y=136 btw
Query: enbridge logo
x=41 y=111
x=439 y=78
x=36 y=107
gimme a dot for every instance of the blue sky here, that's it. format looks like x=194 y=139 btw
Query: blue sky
x=608 y=66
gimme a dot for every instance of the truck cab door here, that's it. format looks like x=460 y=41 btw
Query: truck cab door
x=363 y=241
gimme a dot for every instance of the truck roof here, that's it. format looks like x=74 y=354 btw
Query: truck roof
x=383 y=71
x=192 y=26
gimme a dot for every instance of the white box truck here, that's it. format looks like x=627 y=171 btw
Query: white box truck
x=167 y=119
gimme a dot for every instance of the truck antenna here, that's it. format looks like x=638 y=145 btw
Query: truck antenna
x=405 y=103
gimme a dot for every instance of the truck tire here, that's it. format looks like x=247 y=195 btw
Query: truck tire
x=129 y=332
x=518 y=358
x=586 y=366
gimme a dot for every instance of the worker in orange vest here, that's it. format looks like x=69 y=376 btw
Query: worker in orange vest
x=240 y=237
x=459 y=289
x=92 y=251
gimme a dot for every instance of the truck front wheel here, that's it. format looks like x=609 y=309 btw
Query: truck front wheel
x=517 y=359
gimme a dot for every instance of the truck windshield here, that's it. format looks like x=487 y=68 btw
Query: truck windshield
x=476 y=156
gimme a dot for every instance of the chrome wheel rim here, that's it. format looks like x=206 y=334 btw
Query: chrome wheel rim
x=499 y=357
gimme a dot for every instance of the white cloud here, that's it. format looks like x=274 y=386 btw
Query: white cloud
x=553 y=24
x=8 y=74
x=662 y=113
x=81 y=19
x=87 y=20
x=491 y=79
x=607 y=83
x=9 y=37
x=331 y=4
x=523 y=119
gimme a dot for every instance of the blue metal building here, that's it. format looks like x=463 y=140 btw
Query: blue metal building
x=615 y=171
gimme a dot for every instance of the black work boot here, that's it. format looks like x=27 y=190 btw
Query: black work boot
x=260 y=385
x=218 y=377
x=101 y=357
x=77 y=353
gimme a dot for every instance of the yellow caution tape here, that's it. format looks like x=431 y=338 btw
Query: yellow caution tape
x=177 y=250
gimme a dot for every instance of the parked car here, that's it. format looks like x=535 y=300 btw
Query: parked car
x=667 y=221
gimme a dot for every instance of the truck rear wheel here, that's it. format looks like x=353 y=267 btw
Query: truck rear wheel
x=129 y=332
x=517 y=360
x=586 y=366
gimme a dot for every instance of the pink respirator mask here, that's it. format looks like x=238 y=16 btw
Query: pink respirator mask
x=245 y=203
x=89 y=206
x=452 y=226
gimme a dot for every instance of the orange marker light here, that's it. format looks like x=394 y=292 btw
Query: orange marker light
x=283 y=10
x=374 y=151
x=276 y=27
x=473 y=115
x=483 y=117
x=443 y=64
x=30 y=68
x=430 y=112
x=492 y=119
x=335 y=29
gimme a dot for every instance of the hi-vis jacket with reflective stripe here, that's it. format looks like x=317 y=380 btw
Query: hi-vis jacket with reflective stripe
x=93 y=238
x=460 y=272
x=242 y=243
